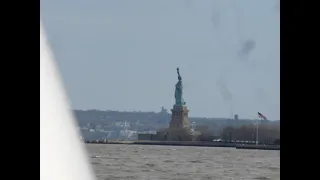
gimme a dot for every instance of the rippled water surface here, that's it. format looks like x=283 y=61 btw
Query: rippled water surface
x=124 y=162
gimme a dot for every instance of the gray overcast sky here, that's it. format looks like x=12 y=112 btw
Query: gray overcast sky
x=123 y=54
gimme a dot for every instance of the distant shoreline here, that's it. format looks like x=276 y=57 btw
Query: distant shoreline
x=191 y=143
x=166 y=113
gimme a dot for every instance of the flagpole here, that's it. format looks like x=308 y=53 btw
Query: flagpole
x=257 y=133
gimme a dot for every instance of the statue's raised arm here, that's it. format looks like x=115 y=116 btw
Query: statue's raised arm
x=179 y=77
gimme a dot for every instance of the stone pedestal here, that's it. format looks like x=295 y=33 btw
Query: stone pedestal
x=179 y=117
x=179 y=128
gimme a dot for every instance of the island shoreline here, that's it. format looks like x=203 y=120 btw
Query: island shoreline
x=191 y=143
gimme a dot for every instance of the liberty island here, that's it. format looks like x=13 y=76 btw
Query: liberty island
x=179 y=133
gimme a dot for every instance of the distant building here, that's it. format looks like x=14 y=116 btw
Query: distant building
x=118 y=124
x=163 y=110
x=236 y=117
x=145 y=136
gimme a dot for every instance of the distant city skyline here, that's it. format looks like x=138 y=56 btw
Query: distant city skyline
x=122 y=55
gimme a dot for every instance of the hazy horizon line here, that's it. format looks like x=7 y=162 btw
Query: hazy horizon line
x=140 y=111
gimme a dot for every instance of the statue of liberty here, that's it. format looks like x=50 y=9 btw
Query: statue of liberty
x=179 y=91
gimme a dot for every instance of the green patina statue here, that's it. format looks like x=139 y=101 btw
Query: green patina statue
x=179 y=91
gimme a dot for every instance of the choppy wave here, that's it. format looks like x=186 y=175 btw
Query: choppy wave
x=112 y=162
